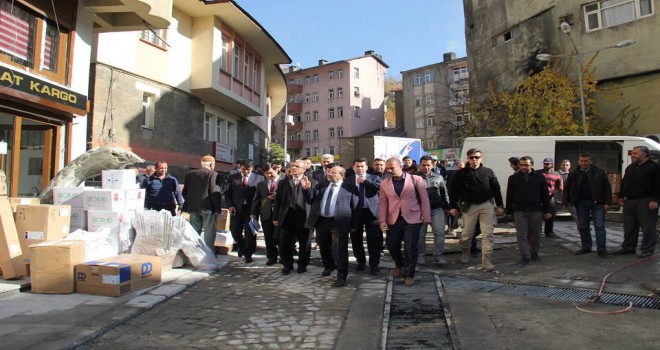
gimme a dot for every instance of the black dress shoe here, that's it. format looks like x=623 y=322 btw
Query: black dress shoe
x=645 y=254
x=339 y=283
x=270 y=262
x=603 y=254
x=326 y=272
x=535 y=257
x=361 y=267
x=248 y=260
x=582 y=251
x=374 y=270
x=286 y=271
x=550 y=235
x=623 y=252
x=301 y=269
x=523 y=262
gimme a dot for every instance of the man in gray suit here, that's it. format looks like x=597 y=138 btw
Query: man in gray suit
x=262 y=207
x=240 y=193
x=333 y=205
x=202 y=199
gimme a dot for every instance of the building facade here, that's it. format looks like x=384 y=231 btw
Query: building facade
x=207 y=84
x=332 y=100
x=504 y=39
x=44 y=71
x=435 y=103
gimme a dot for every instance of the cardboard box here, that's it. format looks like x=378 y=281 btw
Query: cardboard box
x=43 y=222
x=119 y=179
x=118 y=275
x=78 y=219
x=222 y=220
x=135 y=199
x=11 y=254
x=72 y=196
x=114 y=220
x=98 y=245
x=223 y=239
x=52 y=265
x=615 y=182
x=16 y=201
x=102 y=199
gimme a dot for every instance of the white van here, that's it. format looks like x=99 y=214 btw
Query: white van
x=611 y=153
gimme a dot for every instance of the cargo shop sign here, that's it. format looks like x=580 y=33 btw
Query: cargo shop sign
x=36 y=90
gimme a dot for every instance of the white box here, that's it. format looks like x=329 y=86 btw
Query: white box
x=116 y=221
x=69 y=195
x=78 y=219
x=223 y=239
x=101 y=244
x=135 y=199
x=104 y=199
x=119 y=178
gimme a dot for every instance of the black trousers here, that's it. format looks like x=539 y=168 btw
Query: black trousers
x=403 y=232
x=550 y=223
x=271 y=236
x=292 y=228
x=247 y=244
x=325 y=230
x=368 y=223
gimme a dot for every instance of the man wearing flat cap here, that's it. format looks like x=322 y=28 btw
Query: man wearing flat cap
x=555 y=188
x=202 y=198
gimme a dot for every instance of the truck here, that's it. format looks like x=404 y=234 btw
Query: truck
x=383 y=147
x=611 y=153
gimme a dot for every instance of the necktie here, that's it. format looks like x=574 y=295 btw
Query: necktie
x=361 y=196
x=272 y=186
x=328 y=199
x=245 y=179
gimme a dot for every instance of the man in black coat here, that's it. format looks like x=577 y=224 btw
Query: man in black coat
x=202 y=198
x=240 y=193
x=262 y=207
x=290 y=214
x=333 y=215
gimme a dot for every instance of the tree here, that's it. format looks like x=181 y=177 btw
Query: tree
x=276 y=153
x=547 y=103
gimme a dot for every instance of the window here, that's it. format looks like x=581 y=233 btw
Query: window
x=429 y=121
x=356 y=72
x=417 y=80
x=230 y=132
x=331 y=150
x=255 y=75
x=207 y=127
x=340 y=73
x=307 y=153
x=429 y=100
x=331 y=75
x=256 y=137
x=430 y=144
x=316 y=134
x=419 y=123
x=418 y=102
x=340 y=112
x=306 y=98
x=461 y=119
x=609 y=13
x=308 y=80
x=356 y=91
x=299 y=137
x=219 y=129
x=331 y=94
x=315 y=97
x=462 y=92
x=148 y=110
x=316 y=78
x=307 y=135
x=32 y=41
x=299 y=98
x=307 y=117
x=331 y=133
x=318 y=151
x=299 y=81
x=356 y=112
x=428 y=77
x=246 y=69
x=224 y=43
x=316 y=115
x=505 y=37
x=237 y=60
x=340 y=131
x=340 y=92
x=154 y=37
x=460 y=73
x=331 y=113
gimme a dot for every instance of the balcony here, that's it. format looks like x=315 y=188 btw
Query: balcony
x=130 y=15
x=294 y=89
x=295 y=144
x=457 y=102
x=295 y=107
x=297 y=126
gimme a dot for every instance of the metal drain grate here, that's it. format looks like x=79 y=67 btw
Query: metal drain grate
x=557 y=293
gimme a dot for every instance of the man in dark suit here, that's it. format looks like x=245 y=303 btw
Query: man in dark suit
x=202 y=199
x=367 y=187
x=290 y=213
x=262 y=207
x=331 y=214
x=240 y=193
x=320 y=175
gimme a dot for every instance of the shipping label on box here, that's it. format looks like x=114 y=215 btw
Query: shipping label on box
x=135 y=199
x=78 y=219
x=118 y=275
x=16 y=201
x=119 y=178
x=116 y=221
x=52 y=265
x=69 y=195
x=222 y=220
x=42 y=222
x=104 y=199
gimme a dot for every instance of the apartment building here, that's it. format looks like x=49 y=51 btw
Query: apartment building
x=435 y=103
x=329 y=101
x=207 y=84
x=504 y=38
x=44 y=73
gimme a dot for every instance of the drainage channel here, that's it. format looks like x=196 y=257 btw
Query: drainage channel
x=557 y=293
x=414 y=316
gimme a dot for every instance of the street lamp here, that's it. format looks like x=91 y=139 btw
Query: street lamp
x=566 y=28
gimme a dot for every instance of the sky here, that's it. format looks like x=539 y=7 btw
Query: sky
x=408 y=34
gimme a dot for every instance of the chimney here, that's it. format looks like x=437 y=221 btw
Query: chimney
x=292 y=69
x=448 y=56
x=322 y=62
x=370 y=52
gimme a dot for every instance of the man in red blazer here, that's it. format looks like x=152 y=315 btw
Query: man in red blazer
x=403 y=206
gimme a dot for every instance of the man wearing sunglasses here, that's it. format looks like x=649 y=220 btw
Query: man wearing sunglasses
x=476 y=186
